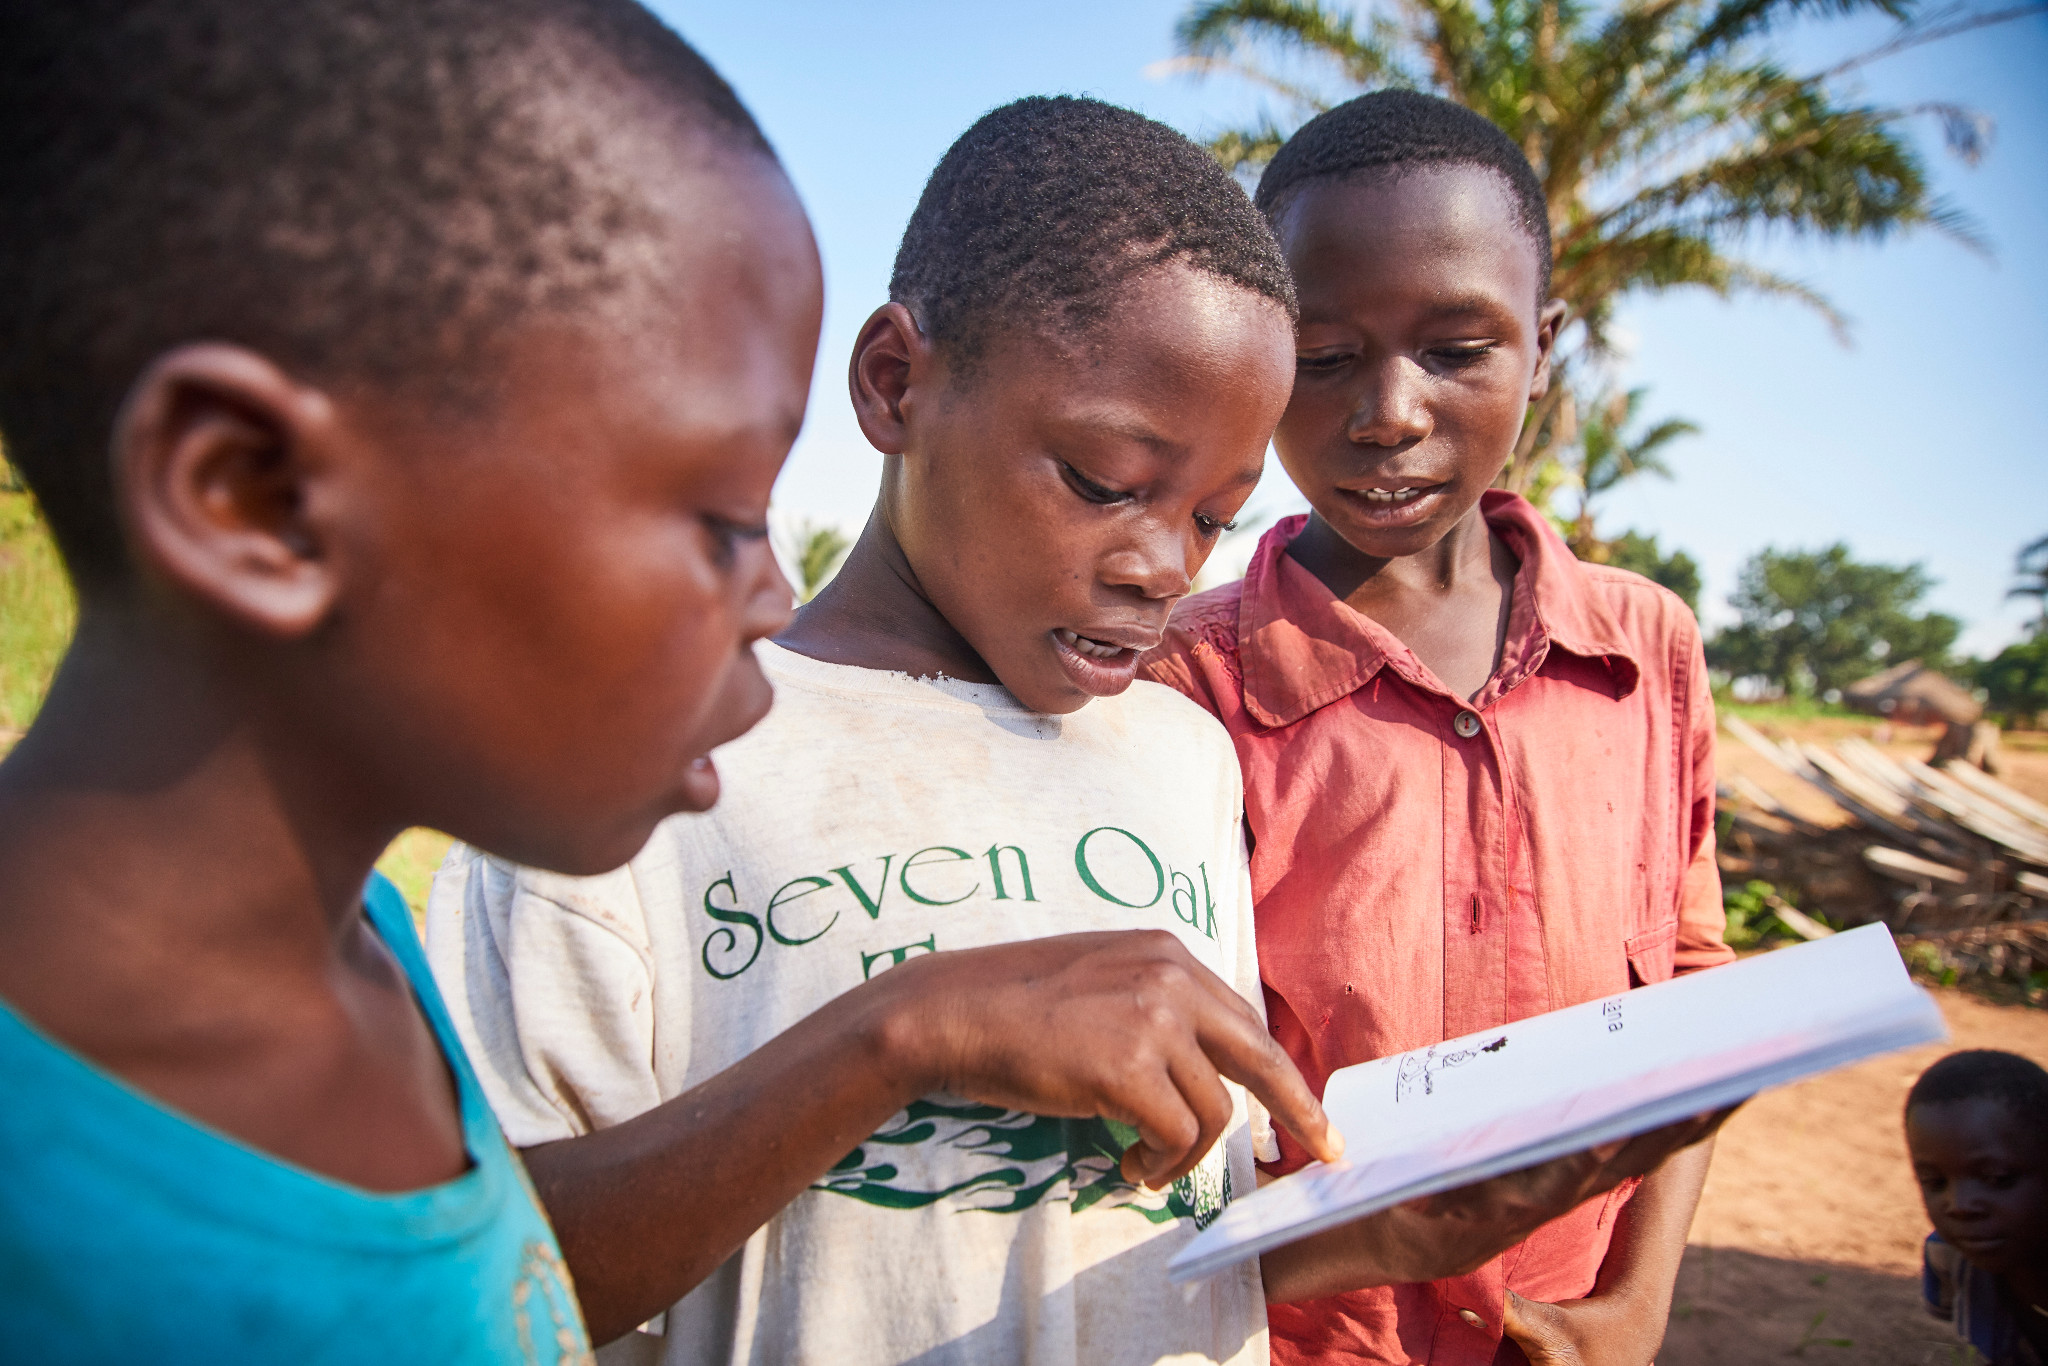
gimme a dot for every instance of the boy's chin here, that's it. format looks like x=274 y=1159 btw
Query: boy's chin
x=1393 y=537
x=700 y=786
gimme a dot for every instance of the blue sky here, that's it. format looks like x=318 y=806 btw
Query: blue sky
x=1923 y=441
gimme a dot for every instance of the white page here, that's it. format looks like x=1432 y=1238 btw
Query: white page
x=1508 y=1098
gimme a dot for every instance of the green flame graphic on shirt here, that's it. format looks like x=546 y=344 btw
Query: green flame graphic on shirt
x=983 y=1157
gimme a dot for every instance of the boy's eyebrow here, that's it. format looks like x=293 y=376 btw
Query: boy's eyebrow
x=1131 y=429
x=1463 y=305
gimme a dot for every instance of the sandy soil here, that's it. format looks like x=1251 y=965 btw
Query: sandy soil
x=1807 y=1242
x=1810 y=1229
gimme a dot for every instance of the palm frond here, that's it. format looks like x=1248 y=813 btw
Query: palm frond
x=1303 y=27
x=1967 y=132
x=1949 y=21
x=1246 y=148
x=1734 y=21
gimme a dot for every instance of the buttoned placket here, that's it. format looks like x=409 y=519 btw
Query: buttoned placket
x=1478 y=863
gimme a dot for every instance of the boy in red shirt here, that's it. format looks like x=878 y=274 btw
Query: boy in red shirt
x=1478 y=773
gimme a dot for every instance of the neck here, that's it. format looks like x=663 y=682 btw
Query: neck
x=152 y=816
x=876 y=615
x=2030 y=1282
x=1464 y=557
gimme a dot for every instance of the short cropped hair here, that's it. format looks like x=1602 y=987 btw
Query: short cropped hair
x=359 y=189
x=2015 y=1082
x=1391 y=131
x=1046 y=207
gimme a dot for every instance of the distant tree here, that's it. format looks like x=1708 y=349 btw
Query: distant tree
x=815 y=551
x=1814 y=621
x=2016 y=681
x=2033 y=579
x=1677 y=571
x=1612 y=451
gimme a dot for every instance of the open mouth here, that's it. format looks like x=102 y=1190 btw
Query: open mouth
x=1394 y=504
x=1092 y=648
x=1100 y=668
x=1392 y=498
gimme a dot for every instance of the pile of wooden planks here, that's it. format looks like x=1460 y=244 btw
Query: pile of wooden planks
x=1949 y=857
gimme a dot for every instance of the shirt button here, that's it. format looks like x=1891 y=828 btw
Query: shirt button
x=1467 y=724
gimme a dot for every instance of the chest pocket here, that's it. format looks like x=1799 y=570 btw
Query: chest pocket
x=1651 y=954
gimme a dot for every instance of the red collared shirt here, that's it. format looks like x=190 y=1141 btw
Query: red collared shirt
x=1425 y=867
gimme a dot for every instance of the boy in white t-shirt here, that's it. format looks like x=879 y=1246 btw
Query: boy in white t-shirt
x=1088 y=344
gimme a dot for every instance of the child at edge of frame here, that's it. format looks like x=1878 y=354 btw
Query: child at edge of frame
x=1088 y=341
x=1478 y=773
x=403 y=382
x=1977 y=1131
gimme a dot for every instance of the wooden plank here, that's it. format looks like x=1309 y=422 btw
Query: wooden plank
x=1911 y=867
x=1982 y=783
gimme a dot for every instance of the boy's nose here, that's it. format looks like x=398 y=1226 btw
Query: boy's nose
x=1155 y=563
x=1394 y=409
x=770 y=601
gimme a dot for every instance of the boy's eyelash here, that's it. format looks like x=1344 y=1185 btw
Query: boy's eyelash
x=1089 y=489
x=729 y=533
x=1209 y=526
x=1455 y=355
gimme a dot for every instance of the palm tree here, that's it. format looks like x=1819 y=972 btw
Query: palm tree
x=1664 y=132
x=814 y=550
x=1610 y=453
x=2032 y=568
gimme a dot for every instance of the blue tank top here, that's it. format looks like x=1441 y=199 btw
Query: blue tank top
x=130 y=1233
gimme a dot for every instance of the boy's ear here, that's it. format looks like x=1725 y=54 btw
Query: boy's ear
x=216 y=452
x=1550 y=320
x=892 y=360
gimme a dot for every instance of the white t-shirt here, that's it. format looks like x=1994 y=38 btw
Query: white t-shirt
x=871 y=817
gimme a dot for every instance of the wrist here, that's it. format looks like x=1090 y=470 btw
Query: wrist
x=898 y=1035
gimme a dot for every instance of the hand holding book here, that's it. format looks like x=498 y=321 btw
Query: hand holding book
x=1458 y=1231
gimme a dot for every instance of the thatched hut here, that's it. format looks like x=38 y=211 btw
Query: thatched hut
x=1912 y=694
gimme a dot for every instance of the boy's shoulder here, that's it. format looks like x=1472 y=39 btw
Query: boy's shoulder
x=1159 y=708
x=1648 y=623
x=1197 y=658
x=1646 y=610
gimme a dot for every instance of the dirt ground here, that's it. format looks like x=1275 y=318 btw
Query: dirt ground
x=1810 y=1228
x=1807 y=1242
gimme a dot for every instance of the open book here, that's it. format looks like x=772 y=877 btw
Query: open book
x=1472 y=1108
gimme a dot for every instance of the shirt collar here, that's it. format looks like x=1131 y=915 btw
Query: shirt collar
x=1301 y=649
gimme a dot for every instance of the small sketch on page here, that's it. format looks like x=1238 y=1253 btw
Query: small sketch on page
x=1424 y=1066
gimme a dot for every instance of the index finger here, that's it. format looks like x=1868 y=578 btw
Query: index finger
x=1242 y=1050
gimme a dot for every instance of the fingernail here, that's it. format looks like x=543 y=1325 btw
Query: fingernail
x=1471 y=1318
x=1336 y=1141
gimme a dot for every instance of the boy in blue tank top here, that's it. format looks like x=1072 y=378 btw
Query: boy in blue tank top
x=404 y=381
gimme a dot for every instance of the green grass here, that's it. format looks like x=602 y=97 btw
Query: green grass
x=36 y=615
x=410 y=863
x=1786 y=709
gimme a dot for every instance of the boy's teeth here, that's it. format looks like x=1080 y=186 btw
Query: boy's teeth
x=1392 y=495
x=1081 y=644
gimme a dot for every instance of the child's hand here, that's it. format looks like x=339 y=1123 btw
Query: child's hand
x=1459 y=1231
x=1600 y=1330
x=1125 y=1025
